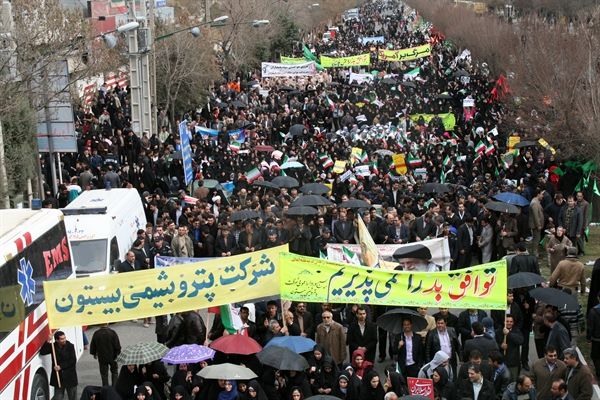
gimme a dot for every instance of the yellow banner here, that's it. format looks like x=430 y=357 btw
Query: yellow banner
x=12 y=308
x=292 y=60
x=405 y=54
x=352 y=61
x=339 y=167
x=133 y=295
x=399 y=163
x=513 y=141
x=448 y=119
x=317 y=280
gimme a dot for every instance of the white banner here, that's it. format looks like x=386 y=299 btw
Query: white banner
x=438 y=249
x=277 y=69
x=360 y=78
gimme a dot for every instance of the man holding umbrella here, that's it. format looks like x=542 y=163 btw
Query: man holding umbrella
x=409 y=350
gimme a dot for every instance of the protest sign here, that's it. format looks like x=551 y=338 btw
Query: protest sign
x=409 y=54
x=323 y=281
x=371 y=39
x=276 y=69
x=291 y=60
x=351 y=61
x=448 y=119
x=420 y=387
x=339 y=166
x=439 y=249
x=360 y=78
x=399 y=164
x=131 y=295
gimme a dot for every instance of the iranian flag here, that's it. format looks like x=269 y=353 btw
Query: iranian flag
x=330 y=103
x=480 y=147
x=327 y=163
x=253 y=175
x=230 y=316
x=478 y=158
x=349 y=256
x=446 y=161
x=364 y=157
x=392 y=165
x=414 y=162
x=374 y=168
x=410 y=75
x=323 y=157
x=442 y=177
x=352 y=179
x=235 y=146
x=489 y=150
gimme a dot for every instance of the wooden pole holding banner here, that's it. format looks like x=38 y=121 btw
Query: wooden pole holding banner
x=54 y=361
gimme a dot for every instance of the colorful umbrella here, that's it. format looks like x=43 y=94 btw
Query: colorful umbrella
x=236 y=344
x=188 y=354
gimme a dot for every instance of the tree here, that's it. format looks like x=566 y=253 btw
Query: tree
x=185 y=66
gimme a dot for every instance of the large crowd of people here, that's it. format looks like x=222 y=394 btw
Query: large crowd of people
x=248 y=134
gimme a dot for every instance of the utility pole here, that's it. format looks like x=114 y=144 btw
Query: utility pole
x=139 y=46
x=3 y=178
x=153 y=98
x=207 y=10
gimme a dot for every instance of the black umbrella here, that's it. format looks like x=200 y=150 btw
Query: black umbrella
x=314 y=188
x=294 y=93
x=301 y=211
x=238 y=104
x=409 y=84
x=389 y=81
x=313 y=200
x=391 y=321
x=282 y=359
x=524 y=279
x=502 y=207
x=244 y=215
x=322 y=397
x=297 y=130
x=434 y=187
x=286 y=88
x=555 y=297
x=461 y=72
x=265 y=184
x=285 y=182
x=526 y=143
x=354 y=203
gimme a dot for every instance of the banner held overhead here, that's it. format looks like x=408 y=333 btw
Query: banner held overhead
x=151 y=292
x=322 y=281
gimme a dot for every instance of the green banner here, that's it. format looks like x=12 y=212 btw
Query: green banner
x=448 y=119
x=351 y=61
x=317 y=280
x=412 y=53
x=292 y=60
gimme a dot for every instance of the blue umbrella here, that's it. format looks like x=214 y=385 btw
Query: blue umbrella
x=297 y=344
x=188 y=354
x=512 y=198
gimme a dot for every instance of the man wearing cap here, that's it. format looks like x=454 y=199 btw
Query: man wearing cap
x=160 y=248
x=415 y=257
x=569 y=273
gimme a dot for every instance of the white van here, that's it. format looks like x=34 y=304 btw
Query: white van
x=351 y=14
x=101 y=227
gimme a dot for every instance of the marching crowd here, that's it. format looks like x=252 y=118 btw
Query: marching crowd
x=474 y=354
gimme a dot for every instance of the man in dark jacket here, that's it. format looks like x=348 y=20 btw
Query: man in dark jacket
x=409 y=350
x=466 y=387
x=501 y=373
x=64 y=360
x=130 y=264
x=480 y=341
x=362 y=334
x=510 y=339
x=195 y=330
x=105 y=347
x=466 y=319
x=578 y=376
x=442 y=338
x=343 y=229
x=523 y=261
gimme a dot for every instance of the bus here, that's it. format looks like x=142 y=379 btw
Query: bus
x=33 y=248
